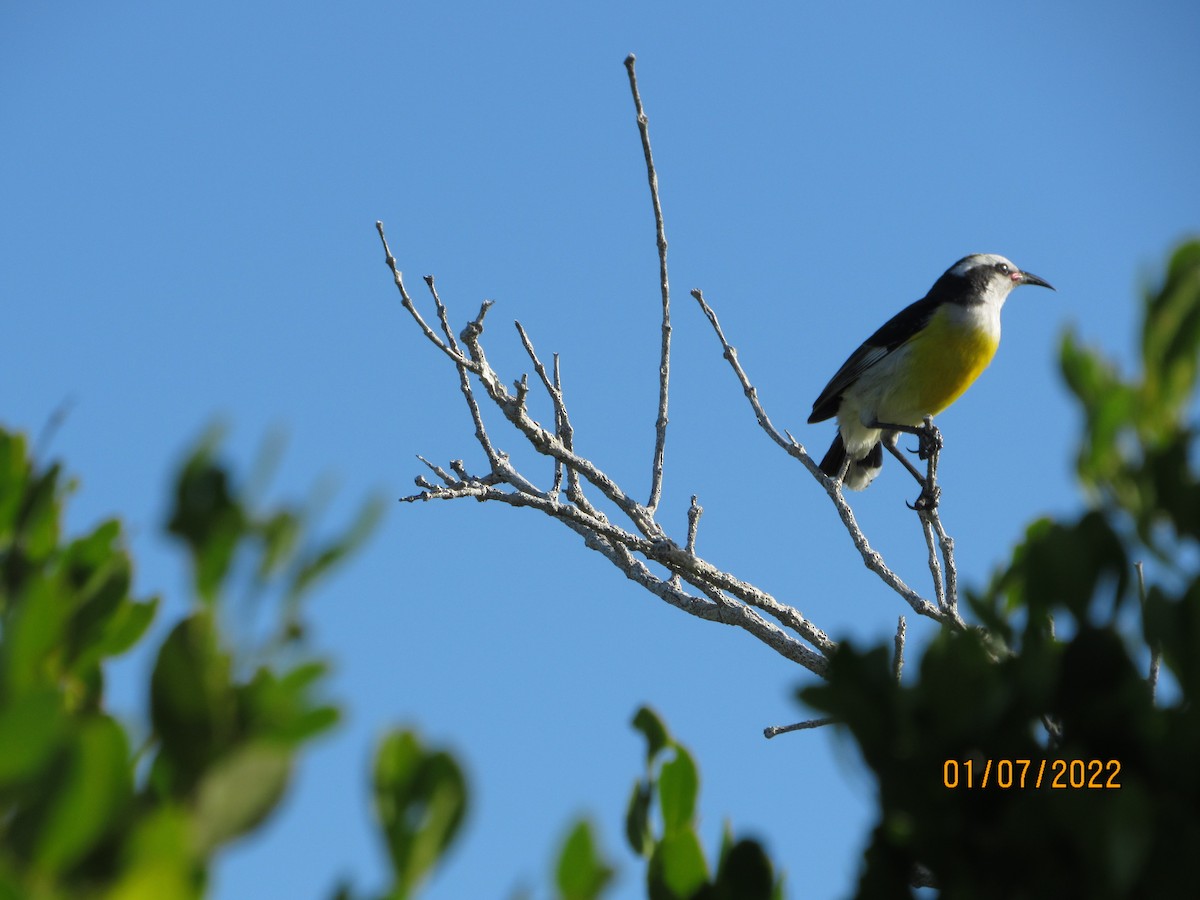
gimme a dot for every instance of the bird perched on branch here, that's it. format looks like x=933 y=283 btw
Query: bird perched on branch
x=916 y=365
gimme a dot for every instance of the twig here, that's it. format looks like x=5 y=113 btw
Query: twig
x=775 y=730
x=695 y=511
x=898 y=662
x=947 y=544
x=832 y=486
x=547 y=443
x=406 y=302
x=664 y=363
x=560 y=424
x=437 y=470
x=935 y=568
x=443 y=317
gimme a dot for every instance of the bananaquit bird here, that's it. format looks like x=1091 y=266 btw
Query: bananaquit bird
x=915 y=366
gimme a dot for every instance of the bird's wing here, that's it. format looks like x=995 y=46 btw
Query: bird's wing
x=893 y=334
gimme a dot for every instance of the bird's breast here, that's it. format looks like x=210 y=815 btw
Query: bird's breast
x=944 y=359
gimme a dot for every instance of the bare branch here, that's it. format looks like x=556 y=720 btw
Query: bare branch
x=727 y=613
x=775 y=730
x=664 y=363
x=935 y=567
x=406 y=302
x=640 y=547
x=787 y=443
x=560 y=428
x=947 y=545
x=443 y=318
x=545 y=442
x=695 y=511
x=832 y=486
x=619 y=545
x=437 y=470
x=688 y=567
x=898 y=661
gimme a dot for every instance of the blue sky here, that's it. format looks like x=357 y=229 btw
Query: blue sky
x=189 y=200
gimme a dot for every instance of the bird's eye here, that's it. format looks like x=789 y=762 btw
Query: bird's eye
x=1003 y=268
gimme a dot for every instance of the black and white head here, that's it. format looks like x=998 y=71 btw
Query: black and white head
x=985 y=278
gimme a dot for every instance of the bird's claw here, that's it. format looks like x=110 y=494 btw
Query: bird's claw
x=927 y=501
x=929 y=441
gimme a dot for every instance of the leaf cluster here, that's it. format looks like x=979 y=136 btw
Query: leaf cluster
x=84 y=810
x=677 y=868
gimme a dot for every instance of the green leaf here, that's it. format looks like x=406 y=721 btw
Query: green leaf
x=14 y=472
x=678 y=785
x=280 y=534
x=321 y=560
x=651 y=726
x=421 y=800
x=207 y=516
x=159 y=862
x=193 y=703
x=38 y=519
x=238 y=793
x=581 y=873
x=125 y=627
x=1065 y=565
x=87 y=797
x=637 y=818
x=285 y=709
x=34 y=636
x=677 y=868
x=745 y=873
x=34 y=724
x=1171 y=335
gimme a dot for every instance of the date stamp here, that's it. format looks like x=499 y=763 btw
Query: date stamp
x=1022 y=774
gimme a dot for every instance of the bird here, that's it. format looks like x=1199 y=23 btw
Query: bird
x=915 y=366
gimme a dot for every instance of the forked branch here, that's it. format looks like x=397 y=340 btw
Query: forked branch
x=629 y=535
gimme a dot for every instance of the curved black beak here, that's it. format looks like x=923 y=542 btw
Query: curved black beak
x=1030 y=278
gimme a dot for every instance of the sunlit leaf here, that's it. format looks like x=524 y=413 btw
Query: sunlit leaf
x=678 y=785
x=677 y=868
x=421 y=800
x=239 y=792
x=92 y=789
x=160 y=861
x=581 y=873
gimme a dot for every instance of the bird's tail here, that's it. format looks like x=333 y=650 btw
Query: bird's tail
x=861 y=472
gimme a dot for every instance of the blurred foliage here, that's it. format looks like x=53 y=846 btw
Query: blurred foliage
x=581 y=873
x=420 y=799
x=84 y=810
x=676 y=865
x=1019 y=692
x=88 y=812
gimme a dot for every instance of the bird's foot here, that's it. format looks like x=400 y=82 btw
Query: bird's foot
x=929 y=440
x=927 y=500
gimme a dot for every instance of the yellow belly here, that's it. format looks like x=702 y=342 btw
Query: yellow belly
x=943 y=362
